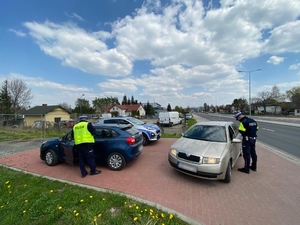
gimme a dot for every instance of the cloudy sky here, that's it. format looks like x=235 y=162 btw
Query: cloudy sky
x=182 y=52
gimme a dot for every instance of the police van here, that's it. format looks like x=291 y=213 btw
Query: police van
x=169 y=118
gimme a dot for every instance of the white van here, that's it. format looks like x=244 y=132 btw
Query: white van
x=169 y=118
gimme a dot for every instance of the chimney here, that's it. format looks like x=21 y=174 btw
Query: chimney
x=44 y=104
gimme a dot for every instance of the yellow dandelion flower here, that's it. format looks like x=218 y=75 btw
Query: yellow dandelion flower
x=150 y=213
x=26 y=200
x=162 y=215
x=145 y=210
x=130 y=206
x=51 y=191
x=8 y=186
x=59 y=207
x=151 y=210
x=74 y=211
x=81 y=200
x=2 y=206
x=139 y=215
x=91 y=196
x=7 y=182
x=125 y=203
x=153 y=217
x=95 y=218
x=9 y=192
x=25 y=185
x=77 y=214
x=171 y=216
x=24 y=211
x=99 y=215
x=135 y=219
x=103 y=199
x=137 y=207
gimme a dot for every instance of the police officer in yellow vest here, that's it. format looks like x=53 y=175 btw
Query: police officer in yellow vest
x=248 y=128
x=84 y=142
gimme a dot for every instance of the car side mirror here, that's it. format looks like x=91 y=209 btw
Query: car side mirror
x=235 y=140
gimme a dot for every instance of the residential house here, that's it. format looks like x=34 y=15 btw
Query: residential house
x=270 y=109
x=51 y=114
x=125 y=110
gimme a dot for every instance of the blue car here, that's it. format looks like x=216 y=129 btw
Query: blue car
x=151 y=132
x=114 y=146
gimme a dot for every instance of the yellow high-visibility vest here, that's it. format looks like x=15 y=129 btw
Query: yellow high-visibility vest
x=82 y=134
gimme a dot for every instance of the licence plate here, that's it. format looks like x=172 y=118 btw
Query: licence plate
x=187 y=167
x=140 y=148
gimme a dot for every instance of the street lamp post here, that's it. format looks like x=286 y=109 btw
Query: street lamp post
x=80 y=103
x=249 y=73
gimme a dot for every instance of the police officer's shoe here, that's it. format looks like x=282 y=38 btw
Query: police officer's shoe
x=252 y=168
x=96 y=172
x=244 y=170
x=83 y=175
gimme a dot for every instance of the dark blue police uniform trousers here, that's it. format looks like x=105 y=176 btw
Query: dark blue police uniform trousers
x=249 y=150
x=86 y=152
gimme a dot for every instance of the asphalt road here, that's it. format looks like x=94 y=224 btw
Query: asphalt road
x=279 y=133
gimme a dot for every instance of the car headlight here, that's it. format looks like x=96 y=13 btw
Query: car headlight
x=210 y=160
x=173 y=152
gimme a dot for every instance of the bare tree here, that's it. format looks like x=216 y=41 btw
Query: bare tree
x=264 y=98
x=20 y=94
x=66 y=106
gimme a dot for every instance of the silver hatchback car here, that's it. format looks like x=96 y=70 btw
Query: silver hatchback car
x=207 y=150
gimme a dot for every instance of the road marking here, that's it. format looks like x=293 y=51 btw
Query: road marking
x=268 y=129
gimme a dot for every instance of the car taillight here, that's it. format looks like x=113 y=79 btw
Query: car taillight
x=130 y=140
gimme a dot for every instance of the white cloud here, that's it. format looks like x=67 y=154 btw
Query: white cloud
x=78 y=48
x=18 y=33
x=275 y=60
x=187 y=46
x=294 y=66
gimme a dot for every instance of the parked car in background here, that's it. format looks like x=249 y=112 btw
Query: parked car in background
x=151 y=132
x=169 y=118
x=188 y=116
x=114 y=146
x=207 y=150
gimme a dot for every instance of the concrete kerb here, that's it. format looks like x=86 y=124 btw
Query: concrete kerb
x=143 y=201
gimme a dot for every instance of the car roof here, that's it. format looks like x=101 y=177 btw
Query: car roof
x=110 y=125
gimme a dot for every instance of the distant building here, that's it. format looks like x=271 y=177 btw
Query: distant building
x=126 y=110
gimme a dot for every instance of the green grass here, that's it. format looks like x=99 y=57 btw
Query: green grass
x=27 y=199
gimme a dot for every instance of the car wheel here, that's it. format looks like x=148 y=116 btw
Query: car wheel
x=145 y=139
x=51 y=158
x=116 y=161
x=228 y=173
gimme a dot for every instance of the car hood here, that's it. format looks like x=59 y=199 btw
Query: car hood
x=200 y=148
x=51 y=141
x=150 y=126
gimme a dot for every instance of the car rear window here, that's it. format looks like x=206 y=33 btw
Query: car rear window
x=131 y=130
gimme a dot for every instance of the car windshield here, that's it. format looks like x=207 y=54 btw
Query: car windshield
x=136 y=121
x=207 y=133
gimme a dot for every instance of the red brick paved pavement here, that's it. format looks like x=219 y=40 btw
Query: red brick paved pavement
x=269 y=196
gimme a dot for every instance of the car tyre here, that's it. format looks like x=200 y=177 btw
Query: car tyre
x=145 y=139
x=51 y=158
x=228 y=173
x=116 y=161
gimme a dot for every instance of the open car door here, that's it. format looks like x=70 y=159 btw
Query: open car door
x=67 y=145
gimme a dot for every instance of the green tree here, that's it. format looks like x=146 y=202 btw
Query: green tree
x=240 y=104
x=5 y=99
x=99 y=104
x=169 y=108
x=294 y=96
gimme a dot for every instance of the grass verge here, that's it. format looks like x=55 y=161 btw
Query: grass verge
x=27 y=199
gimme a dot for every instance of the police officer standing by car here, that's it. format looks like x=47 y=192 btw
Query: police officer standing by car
x=83 y=133
x=248 y=128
